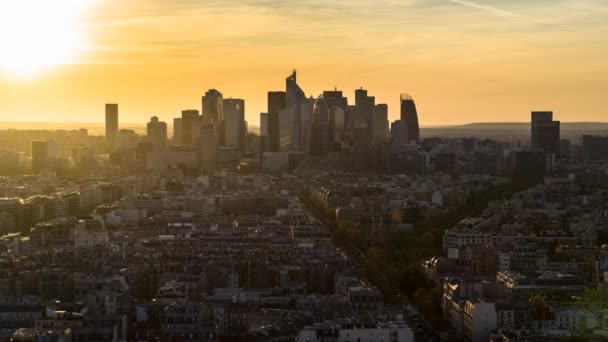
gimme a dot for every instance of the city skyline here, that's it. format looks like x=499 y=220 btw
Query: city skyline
x=463 y=61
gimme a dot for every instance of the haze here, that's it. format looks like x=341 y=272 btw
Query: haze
x=463 y=61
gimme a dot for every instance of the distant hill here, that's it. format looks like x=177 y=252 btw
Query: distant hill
x=565 y=126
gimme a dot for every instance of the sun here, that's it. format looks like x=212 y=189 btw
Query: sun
x=36 y=35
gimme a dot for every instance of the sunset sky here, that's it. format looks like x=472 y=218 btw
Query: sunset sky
x=462 y=61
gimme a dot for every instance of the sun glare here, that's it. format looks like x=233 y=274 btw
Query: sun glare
x=38 y=34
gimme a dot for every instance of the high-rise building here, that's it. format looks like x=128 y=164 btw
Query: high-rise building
x=190 y=120
x=409 y=116
x=276 y=105
x=337 y=104
x=111 y=123
x=337 y=125
x=40 y=155
x=208 y=146
x=380 y=123
x=364 y=110
x=178 y=135
x=290 y=116
x=319 y=132
x=213 y=105
x=264 y=134
x=545 y=132
x=157 y=133
x=398 y=133
x=305 y=113
x=234 y=123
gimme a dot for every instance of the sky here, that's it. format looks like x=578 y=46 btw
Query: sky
x=462 y=61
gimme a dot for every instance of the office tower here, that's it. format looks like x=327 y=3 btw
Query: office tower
x=111 y=124
x=157 y=133
x=398 y=133
x=530 y=167
x=545 y=132
x=208 y=146
x=294 y=94
x=335 y=98
x=409 y=116
x=337 y=124
x=364 y=110
x=189 y=123
x=213 y=105
x=234 y=122
x=337 y=104
x=595 y=148
x=264 y=134
x=319 y=132
x=178 y=136
x=276 y=104
x=40 y=153
x=380 y=123
x=290 y=116
x=305 y=113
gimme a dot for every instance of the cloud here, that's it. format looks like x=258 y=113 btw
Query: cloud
x=492 y=10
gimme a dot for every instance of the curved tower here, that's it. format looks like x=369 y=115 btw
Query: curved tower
x=409 y=117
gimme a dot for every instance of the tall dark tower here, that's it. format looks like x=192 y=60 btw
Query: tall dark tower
x=111 y=124
x=409 y=116
x=277 y=100
x=545 y=132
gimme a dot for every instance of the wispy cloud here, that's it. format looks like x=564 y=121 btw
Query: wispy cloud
x=493 y=10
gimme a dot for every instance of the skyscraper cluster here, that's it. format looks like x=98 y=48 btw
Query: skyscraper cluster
x=293 y=128
x=317 y=126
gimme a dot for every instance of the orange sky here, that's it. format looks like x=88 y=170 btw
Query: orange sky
x=462 y=61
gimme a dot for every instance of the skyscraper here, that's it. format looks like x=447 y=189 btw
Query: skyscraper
x=319 y=132
x=364 y=110
x=40 y=154
x=398 y=133
x=177 y=131
x=276 y=104
x=157 y=133
x=234 y=122
x=208 y=146
x=264 y=134
x=290 y=117
x=213 y=105
x=111 y=123
x=380 y=123
x=189 y=123
x=409 y=116
x=545 y=132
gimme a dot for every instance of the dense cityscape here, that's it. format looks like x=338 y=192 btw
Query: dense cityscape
x=327 y=224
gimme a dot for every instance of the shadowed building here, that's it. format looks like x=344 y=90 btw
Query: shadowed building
x=177 y=131
x=409 y=116
x=190 y=119
x=157 y=133
x=545 y=132
x=319 y=133
x=276 y=104
x=111 y=123
x=213 y=105
x=234 y=123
